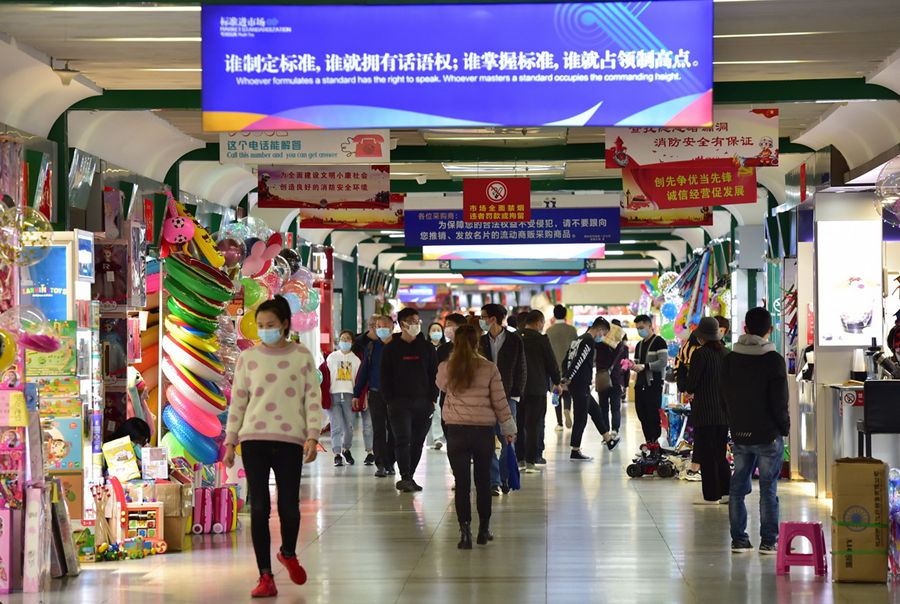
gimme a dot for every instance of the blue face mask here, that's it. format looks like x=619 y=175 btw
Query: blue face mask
x=436 y=336
x=382 y=332
x=345 y=346
x=270 y=336
x=643 y=333
x=598 y=339
x=483 y=324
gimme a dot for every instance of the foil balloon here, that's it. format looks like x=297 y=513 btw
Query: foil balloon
x=247 y=326
x=296 y=287
x=304 y=275
x=282 y=269
x=25 y=236
x=292 y=257
x=254 y=293
x=887 y=192
x=256 y=227
x=304 y=321
x=294 y=302
x=232 y=250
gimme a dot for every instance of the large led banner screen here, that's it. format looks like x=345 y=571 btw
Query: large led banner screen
x=421 y=66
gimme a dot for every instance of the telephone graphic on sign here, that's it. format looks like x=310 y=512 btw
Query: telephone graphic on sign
x=363 y=145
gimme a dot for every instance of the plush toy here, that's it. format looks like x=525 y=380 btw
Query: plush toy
x=260 y=258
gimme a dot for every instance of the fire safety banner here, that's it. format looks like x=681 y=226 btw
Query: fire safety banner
x=496 y=200
x=690 y=184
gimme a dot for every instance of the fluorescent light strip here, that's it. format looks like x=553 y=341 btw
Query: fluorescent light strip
x=775 y=34
x=119 y=9
x=141 y=39
x=778 y=62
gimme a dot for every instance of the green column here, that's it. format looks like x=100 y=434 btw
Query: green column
x=350 y=287
x=59 y=134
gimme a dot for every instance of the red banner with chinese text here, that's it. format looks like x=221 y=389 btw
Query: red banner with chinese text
x=692 y=184
x=496 y=199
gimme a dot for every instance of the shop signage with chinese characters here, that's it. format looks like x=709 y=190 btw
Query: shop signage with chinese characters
x=295 y=147
x=750 y=135
x=560 y=225
x=693 y=184
x=496 y=199
x=452 y=65
x=333 y=197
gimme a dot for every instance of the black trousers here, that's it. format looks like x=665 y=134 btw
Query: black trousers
x=583 y=405
x=410 y=420
x=567 y=403
x=531 y=411
x=647 y=403
x=470 y=449
x=383 y=442
x=286 y=460
x=610 y=401
x=710 y=444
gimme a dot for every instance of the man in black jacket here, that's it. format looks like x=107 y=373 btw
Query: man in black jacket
x=504 y=348
x=542 y=370
x=754 y=386
x=578 y=366
x=408 y=372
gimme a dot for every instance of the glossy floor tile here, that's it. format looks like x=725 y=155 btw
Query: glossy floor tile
x=577 y=532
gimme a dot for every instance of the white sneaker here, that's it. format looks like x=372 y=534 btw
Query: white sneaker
x=558 y=428
x=692 y=475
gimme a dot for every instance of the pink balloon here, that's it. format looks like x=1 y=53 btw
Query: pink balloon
x=232 y=250
x=245 y=344
x=304 y=321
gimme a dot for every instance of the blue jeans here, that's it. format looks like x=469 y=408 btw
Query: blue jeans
x=341 y=421
x=499 y=469
x=367 y=430
x=769 y=458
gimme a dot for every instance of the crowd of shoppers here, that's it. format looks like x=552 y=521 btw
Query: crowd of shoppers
x=472 y=381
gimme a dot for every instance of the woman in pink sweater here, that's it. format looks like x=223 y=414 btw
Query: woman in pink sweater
x=475 y=401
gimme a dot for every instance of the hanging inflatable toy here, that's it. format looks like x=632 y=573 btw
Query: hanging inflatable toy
x=8 y=350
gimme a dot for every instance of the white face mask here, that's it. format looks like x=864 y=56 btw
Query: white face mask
x=414 y=329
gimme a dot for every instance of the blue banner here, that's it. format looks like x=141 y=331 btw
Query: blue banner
x=421 y=66
x=575 y=225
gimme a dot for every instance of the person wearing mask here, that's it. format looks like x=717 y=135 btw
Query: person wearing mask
x=561 y=336
x=541 y=371
x=343 y=367
x=622 y=376
x=476 y=323
x=505 y=349
x=708 y=412
x=368 y=381
x=724 y=327
x=362 y=340
x=754 y=384
x=408 y=371
x=475 y=402
x=435 y=437
x=609 y=376
x=436 y=335
x=275 y=414
x=452 y=322
x=650 y=358
x=576 y=377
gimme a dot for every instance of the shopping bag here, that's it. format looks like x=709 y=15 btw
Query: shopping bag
x=512 y=465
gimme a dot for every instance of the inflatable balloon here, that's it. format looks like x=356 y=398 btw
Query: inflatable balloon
x=257 y=227
x=296 y=287
x=282 y=269
x=232 y=250
x=244 y=344
x=312 y=302
x=319 y=371
x=304 y=321
x=666 y=281
x=304 y=275
x=254 y=293
x=294 y=302
x=25 y=236
x=292 y=257
x=667 y=331
x=674 y=347
x=247 y=326
x=669 y=311
x=24 y=318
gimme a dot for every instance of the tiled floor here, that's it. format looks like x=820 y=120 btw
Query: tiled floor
x=579 y=532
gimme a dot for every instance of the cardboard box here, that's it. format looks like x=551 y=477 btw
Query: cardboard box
x=860 y=529
x=175 y=528
x=179 y=498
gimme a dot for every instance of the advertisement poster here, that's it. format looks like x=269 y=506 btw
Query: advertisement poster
x=60 y=396
x=689 y=184
x=638 y=213
x=496 y=199
x=562 y=225
x=85 y=261
x=849 y=289
x=59 y=363
x=45 y=285
x=64 y=444
x=299 y=147
x=748 y=135
x=333 y=197
x=453 y=65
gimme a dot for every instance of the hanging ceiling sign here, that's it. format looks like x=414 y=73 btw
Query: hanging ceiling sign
x=496 y=199
x=294 y=147
x=690 y=184
x=641 y=214
x=748 y=135
x=487 y=251
x=424 y=66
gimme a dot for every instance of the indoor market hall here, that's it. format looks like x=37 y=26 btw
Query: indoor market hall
x=449 y=301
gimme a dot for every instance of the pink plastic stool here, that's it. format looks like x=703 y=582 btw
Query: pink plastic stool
x=812 y=531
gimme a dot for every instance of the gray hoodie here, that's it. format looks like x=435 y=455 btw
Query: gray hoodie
x=753 y=345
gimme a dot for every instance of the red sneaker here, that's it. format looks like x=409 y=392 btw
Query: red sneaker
x=297 y=573
x=265 y=588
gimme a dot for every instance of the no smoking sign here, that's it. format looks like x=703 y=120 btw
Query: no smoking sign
x=497 y=200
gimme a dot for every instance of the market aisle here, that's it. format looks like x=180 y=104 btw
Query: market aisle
x=580 y=532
